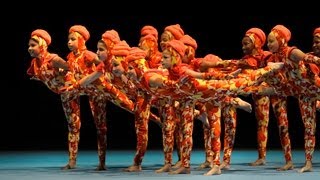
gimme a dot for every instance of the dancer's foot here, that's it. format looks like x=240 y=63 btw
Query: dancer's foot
x=70 y=165
x=225 y=166
x=165 y=168
x=181 y=170
x=133 y=168
x=267 y=91
x=101 y=167
x=306 y=168
x=204 y=119
x=177 y=165
x=215 y=170
x=287 y=166
x=234 y=74
x=260 y=75
x=204 y=165
x=258 y=162
x=275 y=65
x=241 y=104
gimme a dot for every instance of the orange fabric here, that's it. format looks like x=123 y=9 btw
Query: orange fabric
x=189 y=41
x=149 y=30
x=314 y=68
x=148 y=37
x=316 y=32
x=112 y=35
x=43 y=34
x=121 y=49
x=100 y=67
x=81 y=30
x=178 y=46
x=317 y=81
x=259 y=36
x=135 y=53
x=283 y=32
x=212 y=58
x=175 y=30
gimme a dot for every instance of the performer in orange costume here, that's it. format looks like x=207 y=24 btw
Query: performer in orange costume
x=297 y=80
x=157 y=83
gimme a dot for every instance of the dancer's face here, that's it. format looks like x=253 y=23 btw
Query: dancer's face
x=73 y=42
x=316 y=45
x=102 y=51
x=34 y=48
x=117 y=68
x=166 y=59
x=273 y=43
x=132 y=73
x=247 y=45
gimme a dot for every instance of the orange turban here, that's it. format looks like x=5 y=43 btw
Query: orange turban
x=146 y=30
x=177 y=46
x=212 y=58
x=283 y=32
x=81 y=30
x=112 y=35
x=316 y=32
x=135 y=53
x=43 y=34
x=148 y=37
x=259 y=37
x=175 y=30
x=189 y=41
x=120 y=49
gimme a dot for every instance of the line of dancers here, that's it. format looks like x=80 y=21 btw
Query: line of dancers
x=165 y=73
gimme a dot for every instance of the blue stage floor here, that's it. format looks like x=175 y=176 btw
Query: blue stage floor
x=45 y=165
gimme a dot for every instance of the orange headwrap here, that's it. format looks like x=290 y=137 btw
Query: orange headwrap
x=81 y=30
x=135 y=53
x=177 y=45
x=146 y=30
x=148 y=37
x=316 y=32
x=175 y=30
x=42 y=34
x=189 y=41
x=120 y=49
x=257 y=36
x=112 y=35
x=212 y=58
x=283 y=32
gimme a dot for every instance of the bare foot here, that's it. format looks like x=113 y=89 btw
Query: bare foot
x=204 y=165
x=177 y=165
x=276 y=65
x=287 y=166
x=215 y=170
x=101 y=167
x=181 y=170
x=306 y=168
x=165 y=168
x=258 y=162
x=133 y=168
x=225 y=166
x=204 y=119
x=241 y=104
x=267 y=91
x=70 y=165
x=234 y=74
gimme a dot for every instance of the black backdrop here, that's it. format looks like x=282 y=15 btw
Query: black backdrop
x=33 y=117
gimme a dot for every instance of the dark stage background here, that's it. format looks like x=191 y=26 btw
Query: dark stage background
x=33 y=118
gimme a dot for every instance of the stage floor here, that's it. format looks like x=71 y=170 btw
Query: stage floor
x=36 y=165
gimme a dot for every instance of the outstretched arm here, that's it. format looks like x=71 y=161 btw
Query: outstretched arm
x=58 y=62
